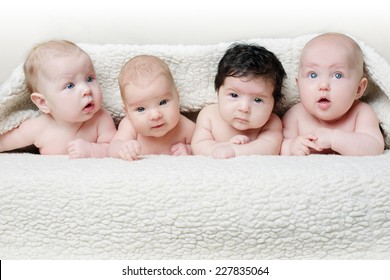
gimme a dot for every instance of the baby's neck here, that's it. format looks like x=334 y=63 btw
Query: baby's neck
x=68 y=126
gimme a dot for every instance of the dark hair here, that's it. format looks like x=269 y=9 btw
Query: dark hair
x=245 y=60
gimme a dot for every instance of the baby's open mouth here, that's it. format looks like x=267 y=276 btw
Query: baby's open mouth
x=158 y=126
x=324 y=103
x=324 y=100
x=89 y=107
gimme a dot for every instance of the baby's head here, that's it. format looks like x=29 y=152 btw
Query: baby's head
x=62 y=81
x=149 y=94
x=141 y=70
x=41 y=54
x=335 y=43
x=331 y=75
x=251 y=62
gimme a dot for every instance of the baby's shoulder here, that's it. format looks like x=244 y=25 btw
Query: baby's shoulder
x=360 y=105
x=210 y=108
x=360 y=108
x=42 y=121
x=294 y=111
x=209 y=111
x=101 y=115
x=125 y=124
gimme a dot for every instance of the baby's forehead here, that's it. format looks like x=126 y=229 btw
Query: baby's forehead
x=331 y=42
x=65 y=67
x=144 y=81
x=339 y=47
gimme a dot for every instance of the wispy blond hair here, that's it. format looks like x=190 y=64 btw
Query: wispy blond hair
x=141 y=69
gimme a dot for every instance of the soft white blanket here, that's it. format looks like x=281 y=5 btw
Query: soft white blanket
x=254 y=207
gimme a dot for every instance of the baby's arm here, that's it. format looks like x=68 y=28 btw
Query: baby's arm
x=365 y=140
x=124 y=144
x=24 y=135
x=267 y=143
x=184 y=148
x=293 y=143
x=203 y=142
x=80 y=148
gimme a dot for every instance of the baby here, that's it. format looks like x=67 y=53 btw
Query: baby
x=153 y=123
x=248 y=83
x=330 y=117
x=62 y=82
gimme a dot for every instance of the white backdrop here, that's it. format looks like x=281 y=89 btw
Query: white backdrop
x=24 y=23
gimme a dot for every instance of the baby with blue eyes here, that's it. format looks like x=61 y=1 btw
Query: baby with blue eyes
x=153 y=124
x=62 y=83
x=330 y=118
x=248 y=84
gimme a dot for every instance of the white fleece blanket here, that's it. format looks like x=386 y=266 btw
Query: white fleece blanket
x=253 y=207
x=162 y=207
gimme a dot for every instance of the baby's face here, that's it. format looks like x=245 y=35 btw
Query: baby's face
x=70 y=87
x=245 y=103
x=153 y=108
x=330 y=77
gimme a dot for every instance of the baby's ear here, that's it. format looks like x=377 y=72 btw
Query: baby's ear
x=125 y=110
x=178 y=93
x=40 y=101
x=361 y=88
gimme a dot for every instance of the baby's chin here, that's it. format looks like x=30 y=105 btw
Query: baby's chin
x=244 y=127
x=328 y=116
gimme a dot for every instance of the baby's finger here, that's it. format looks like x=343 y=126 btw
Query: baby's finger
x=311 y=144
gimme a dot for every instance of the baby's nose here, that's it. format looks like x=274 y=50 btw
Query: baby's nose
x=155 y=114
x=86 y=90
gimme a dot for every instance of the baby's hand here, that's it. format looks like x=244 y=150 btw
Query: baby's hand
x=239 y=139
x=225 y=151
x=79 y=148
x=324 y=137
x=301 y=145
x=130 y=150
x=180 y=149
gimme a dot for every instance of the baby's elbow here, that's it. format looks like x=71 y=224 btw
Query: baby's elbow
x=195 y=149
x=199 y=148
x=277 y=144
x=113 y=149
x=276 y=150
x=379 y=149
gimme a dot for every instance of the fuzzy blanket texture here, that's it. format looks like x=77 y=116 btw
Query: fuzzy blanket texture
x=195 y=207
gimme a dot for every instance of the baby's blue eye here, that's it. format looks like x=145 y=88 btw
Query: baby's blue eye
x=70 y=85
x=140 y=109
x=163 y=102
x=234 y=95
x=258 y=100
x=338 y=76
x=313 y=75
x=90 y=79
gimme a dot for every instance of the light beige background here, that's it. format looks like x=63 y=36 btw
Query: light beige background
x=24 y=23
